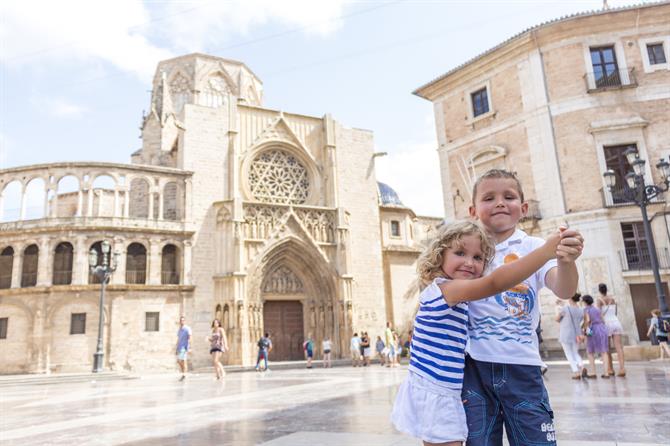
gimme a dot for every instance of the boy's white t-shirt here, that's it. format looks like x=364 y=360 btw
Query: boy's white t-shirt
x=501 y=328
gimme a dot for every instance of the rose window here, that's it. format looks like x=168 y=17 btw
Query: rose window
x=278 y=177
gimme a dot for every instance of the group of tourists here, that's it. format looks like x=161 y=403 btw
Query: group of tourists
x=596 y=325
x=388 y=350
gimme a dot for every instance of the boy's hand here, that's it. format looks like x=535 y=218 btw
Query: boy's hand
x=570 y=246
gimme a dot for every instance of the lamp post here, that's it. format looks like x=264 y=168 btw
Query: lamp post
x=641 y=194
x=102 y=271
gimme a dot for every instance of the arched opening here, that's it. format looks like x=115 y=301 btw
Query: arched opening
x=103 y=196
x=136 y=264
x=35 y=197
x=170 y=265
x=215 y=91
x=29 y=270
x=139 y=198
x=63 y=258
x=170 y=202
x=11 y=201
x=68 y=198
x=226 y=318
x=97 y=247
x=6 y=266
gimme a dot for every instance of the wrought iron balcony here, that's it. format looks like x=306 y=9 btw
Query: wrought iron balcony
x=638 y=259
x=169 y=278
x=611 y=80
x=137 y=277
x=615 y=198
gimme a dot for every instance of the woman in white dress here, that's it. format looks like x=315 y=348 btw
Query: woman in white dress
x=608 y=309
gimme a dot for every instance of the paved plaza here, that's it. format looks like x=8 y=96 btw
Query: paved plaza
x=339 y=406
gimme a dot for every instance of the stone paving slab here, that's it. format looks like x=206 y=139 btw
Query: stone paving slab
x=343 y=406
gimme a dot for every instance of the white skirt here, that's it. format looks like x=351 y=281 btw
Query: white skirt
x=428 y=411
x=613 y=327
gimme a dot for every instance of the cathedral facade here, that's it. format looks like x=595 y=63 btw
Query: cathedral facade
x=266 y=220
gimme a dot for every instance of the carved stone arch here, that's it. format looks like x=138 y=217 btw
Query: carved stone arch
x=221 y=71
x=313 y=177
x=181 y=88
x=486 y=158
x=19 y=303
x=223 y=215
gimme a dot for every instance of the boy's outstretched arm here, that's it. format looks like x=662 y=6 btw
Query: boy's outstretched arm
x=502 y=278
x=563 y=279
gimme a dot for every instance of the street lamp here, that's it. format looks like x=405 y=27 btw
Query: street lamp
x=641 y=194
x=102 y=271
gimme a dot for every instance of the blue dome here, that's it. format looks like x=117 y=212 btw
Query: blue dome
x=387 y=196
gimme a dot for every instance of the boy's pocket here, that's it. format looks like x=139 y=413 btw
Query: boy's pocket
x=534 y=423
x=475 y=413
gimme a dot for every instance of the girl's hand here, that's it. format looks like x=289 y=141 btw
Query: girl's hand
x=551 y=244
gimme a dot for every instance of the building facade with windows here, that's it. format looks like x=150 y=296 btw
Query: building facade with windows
x=266 y=220
x=559 y=104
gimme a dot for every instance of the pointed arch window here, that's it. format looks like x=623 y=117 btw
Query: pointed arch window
x=29 y=270
x=63 y=257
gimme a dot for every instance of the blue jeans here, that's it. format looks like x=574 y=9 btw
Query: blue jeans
x=262 y=354
x=515 y=395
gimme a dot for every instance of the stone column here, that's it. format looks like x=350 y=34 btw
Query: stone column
x=186 y=263
x=80 y=263
x=117 y=210
x=43 y=260
x=151 y=205
x=119 y=276
x=80 y=203
x=22 y=209
x=154 y=262
x=126 y=204
x=89 y=202
x=45 y=213
x=161 y=204
x=17 y=265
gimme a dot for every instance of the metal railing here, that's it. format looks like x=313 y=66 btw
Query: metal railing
x=170 y=278
x=62 y=277
x=28 y=279
x=620 y=78
x=638 y=259
x=136 y=277
x=614 y=198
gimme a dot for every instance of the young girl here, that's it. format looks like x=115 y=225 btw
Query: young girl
x=428 y=404
x=218 y=345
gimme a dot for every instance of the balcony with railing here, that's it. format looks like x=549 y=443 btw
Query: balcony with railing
x=638 y=259
x=610 y=80
x=62 y=277
x=169 y=278
x=136 y=277
x=5 y=281
x=615 y=197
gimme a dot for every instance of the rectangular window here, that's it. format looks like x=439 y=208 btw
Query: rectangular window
x=617 y=161
x=395 y=228
x=4 y=321
x=152 y=321
x=480 y=102
x=78 y=323
x=605 y=67
x=656 y=53
x=635 y=245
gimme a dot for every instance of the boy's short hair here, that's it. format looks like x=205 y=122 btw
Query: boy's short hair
x=429 y=264
x=496 y=174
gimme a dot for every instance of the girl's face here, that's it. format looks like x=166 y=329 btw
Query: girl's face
x=465 y=260
x=498 y=206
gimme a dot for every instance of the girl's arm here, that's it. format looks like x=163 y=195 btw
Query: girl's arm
x=651 y=327
x=502 y=278
x=559 y=316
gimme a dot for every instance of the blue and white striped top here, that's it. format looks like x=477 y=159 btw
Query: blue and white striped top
x=439 y=338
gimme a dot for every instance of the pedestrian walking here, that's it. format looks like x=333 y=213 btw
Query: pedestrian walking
x=390 y=346
x=365 y=348
x=218 y=344
x=308 y=348
x=183 y=346
x=327 y=346
x=264 y=348
x=379 y=348
x=660 y=327
x=570 y=318
x=355 y=348
x=608 y=309
x=596 y=336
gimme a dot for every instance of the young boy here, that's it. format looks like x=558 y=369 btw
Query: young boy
x=503 y=381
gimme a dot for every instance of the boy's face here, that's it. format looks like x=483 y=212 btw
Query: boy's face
x=498 y=206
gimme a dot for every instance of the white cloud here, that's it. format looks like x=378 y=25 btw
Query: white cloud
x=414 y=173
x=211 y=23
x=61 y=108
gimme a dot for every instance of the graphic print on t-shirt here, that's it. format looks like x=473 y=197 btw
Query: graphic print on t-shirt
x=518 y=303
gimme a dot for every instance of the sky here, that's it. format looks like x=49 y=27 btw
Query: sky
x=75 y=75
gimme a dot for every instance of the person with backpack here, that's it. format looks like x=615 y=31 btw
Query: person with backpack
x=662 y=327
x=264 y=347
x=308 y=348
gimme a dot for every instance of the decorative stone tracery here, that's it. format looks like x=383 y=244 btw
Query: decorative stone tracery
x=260 y=221
x=276 y=176
x=282 y=281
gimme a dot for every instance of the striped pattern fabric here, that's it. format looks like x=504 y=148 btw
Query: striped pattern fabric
x=439 y=338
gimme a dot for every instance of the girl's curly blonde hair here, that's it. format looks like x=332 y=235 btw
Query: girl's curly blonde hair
x=429 y=264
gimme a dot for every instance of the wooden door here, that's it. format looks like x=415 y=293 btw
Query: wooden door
x=644 y=300
x=283 y=320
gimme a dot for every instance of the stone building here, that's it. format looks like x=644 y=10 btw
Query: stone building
x=559 y=104
x=266 y=220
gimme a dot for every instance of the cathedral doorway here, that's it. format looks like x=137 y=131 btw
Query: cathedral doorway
x=283 y=319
